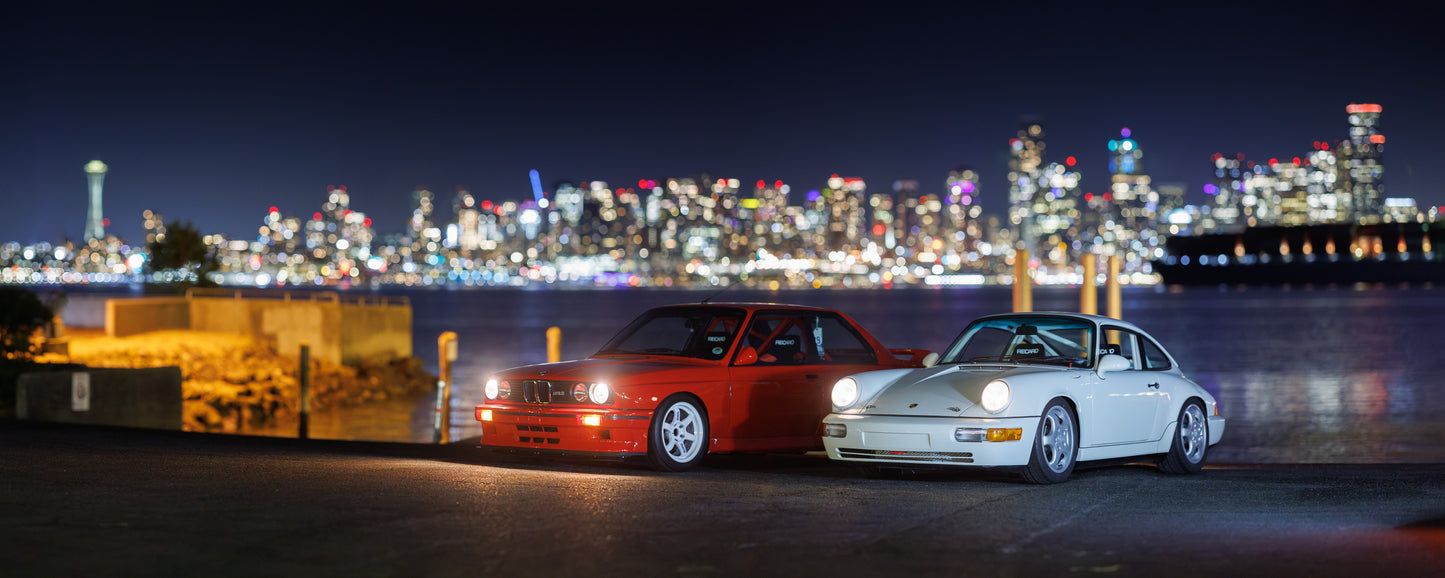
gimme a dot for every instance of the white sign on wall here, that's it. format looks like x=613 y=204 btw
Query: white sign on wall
x=80 y=391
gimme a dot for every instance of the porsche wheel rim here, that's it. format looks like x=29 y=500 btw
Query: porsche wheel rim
x=682 y=432
x=1193 y=433
x=1056 y=438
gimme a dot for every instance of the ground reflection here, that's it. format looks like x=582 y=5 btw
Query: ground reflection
x=1329 y=375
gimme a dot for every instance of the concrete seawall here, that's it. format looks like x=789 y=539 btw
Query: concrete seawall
x=340 y=330
x=149 y=397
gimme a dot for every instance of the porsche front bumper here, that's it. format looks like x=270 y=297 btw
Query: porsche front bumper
x=927 y=440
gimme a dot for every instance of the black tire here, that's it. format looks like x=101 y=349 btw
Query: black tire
x=1190 y=448
x=677 y=439
x=1056 y=445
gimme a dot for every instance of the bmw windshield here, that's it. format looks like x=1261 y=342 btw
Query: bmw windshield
x=1024 y=339
x=699 y=332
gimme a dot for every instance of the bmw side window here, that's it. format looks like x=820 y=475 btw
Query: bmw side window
x=1154 y=358
x=779 y=339
x=834 y=341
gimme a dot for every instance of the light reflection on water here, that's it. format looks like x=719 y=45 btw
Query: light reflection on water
x=1326 y=375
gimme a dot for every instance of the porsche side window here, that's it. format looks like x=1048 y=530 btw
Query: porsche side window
x=1120 y=342
x=1154 y=358
x=835 y=342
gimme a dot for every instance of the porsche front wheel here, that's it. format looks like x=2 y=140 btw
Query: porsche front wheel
x=1191 y=442
x=1056 y=447
x=677 y=438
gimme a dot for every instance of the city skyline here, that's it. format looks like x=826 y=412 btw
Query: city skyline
x=217 y=137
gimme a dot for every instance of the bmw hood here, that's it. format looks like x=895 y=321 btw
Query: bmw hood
x=623 y=370
x=944 y=391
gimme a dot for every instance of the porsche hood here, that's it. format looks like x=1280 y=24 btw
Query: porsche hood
x=942 y=391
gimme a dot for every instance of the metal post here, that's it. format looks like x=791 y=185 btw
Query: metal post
x=1023 y=284
x=303 y=375
x=1088 y=291
x=446 y=354
x=1114 y=297
x=554 y=344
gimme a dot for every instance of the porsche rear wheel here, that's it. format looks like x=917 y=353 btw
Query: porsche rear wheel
x=1056 y=447
x=1191 y=442
x=677 y=438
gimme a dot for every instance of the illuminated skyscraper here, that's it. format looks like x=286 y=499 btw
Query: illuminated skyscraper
x=1055 y=210
x=1025 y=166
x=1133 y=205
x=1227 y=190
x=421 y=210
x=468 y=225
x=94 y=218
x=1363 y=165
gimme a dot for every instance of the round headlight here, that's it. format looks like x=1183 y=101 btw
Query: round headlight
x=579 y=392
x=600 y=393
x=995 y=396
x=845 y=392
x=490 y=389
x=504 y=390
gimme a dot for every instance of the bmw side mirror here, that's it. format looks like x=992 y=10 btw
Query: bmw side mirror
x=747 y=356
x=1112 y=362
x=930 y=360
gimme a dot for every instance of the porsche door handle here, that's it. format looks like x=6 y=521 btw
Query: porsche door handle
x=1154 y=385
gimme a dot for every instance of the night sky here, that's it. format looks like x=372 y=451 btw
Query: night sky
x=212 y=112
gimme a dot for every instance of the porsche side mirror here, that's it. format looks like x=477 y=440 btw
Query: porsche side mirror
x=1112 y=362
x=930 y=360
x=747 y=356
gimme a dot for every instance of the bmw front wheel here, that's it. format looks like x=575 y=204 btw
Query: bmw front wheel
x=677 y=438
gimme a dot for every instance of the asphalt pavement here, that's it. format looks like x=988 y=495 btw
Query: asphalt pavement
x=78 y=500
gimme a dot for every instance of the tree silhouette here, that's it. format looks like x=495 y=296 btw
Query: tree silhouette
x=181 y=257
x=21 y=314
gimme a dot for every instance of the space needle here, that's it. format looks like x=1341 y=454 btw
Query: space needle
x=94 y=221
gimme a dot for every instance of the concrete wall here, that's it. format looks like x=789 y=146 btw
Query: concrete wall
x=285 y=324
x=149 y=397
x=87 y=311
x=126 y=317
x=339 y=331
x=378 y=331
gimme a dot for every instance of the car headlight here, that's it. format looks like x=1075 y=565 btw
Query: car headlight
x=600 y=393
x=995 y=396
x=504 y=390
x=845 y=393
x=490 y=389
x=579 y=392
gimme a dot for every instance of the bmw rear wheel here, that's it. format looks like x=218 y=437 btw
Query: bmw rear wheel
x=1191 y=441
x=677 y=438
x=1056 y=447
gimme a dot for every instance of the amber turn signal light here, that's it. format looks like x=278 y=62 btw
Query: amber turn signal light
x=999 y=434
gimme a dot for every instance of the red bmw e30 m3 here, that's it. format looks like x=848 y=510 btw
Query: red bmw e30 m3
x=682 y=381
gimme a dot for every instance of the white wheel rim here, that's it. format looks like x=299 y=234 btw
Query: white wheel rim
x=1056 y=438
x=681 y=429
x=1193 y=433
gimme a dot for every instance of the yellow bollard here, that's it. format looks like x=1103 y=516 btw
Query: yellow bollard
x=1023 y=284
x=446 y=354
x=1111 y=285
x=1088 y=291
x=554 y=344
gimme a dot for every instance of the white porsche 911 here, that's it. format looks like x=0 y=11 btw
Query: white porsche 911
x=1035 y=391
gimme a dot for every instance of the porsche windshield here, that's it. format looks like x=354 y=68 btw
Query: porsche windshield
x=1033 y=339
x=700 y=332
